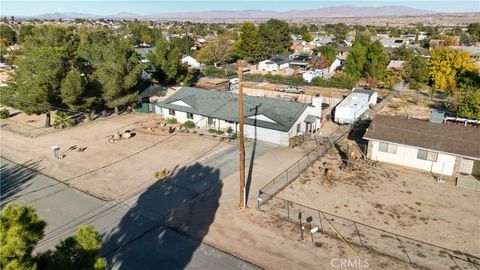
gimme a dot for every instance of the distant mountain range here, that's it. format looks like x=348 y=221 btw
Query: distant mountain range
x=329 y=12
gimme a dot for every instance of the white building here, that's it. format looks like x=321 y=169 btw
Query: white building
x=274 y=64
x=444 y=149
x=190 y=61
x=266 y=119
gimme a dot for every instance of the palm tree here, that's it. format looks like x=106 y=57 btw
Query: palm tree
x=62 y=121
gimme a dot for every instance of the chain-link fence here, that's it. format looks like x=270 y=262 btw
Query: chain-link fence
x=22 y=129
x=361 y=235
x=283 y=179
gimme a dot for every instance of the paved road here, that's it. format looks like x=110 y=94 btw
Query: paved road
x=132 y=230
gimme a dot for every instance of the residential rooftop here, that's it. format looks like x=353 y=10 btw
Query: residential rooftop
x=448 y=138
x=271 y=113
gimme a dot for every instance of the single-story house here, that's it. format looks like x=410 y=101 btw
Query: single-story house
x=151 y=93
x=265 y=119
x=274 y=64
x=300 y=61
x=444 y=149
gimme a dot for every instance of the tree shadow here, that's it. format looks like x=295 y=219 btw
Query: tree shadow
x=158 y=227
x=357 y=133
x=15 y=178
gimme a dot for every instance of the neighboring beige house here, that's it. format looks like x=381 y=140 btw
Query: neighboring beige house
x=441 y=148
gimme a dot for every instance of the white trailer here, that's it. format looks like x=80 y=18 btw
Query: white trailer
x=351 y=108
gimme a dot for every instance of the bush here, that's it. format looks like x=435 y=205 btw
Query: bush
x=220 y=132
x=211 y=130
x=5 y=113
x=229 y=130
x=171 y=120
x=189 y=124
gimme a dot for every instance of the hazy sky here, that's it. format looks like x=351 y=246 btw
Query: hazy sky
x=35 y=7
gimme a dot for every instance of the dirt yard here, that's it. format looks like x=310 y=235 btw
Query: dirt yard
x=416 y=107
x=392 y=198
x=108 y=170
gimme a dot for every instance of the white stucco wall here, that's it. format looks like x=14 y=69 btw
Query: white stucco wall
x=266 y=135
x=407 y=156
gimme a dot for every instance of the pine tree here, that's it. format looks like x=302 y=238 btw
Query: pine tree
x=20 y=231
x=276 y=37
x=377 y=61
x=248 y=46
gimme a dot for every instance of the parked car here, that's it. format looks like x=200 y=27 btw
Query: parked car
x=292 y=89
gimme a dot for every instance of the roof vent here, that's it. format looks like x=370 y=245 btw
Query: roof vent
x=437 y=116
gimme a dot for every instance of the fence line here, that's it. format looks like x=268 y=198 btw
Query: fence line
x=290 y=174
x=362 y=235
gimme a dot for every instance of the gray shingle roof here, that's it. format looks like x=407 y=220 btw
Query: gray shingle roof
x=224 y=106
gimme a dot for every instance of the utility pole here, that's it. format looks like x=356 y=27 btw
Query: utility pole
x=243 y=203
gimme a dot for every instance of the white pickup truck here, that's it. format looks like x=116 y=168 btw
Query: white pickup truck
x=292 y=89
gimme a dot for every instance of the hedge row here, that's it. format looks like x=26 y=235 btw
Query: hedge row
x=339 y=82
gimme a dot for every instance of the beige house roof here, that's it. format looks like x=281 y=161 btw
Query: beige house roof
x=448 y=138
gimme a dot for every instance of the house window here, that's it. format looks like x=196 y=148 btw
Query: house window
x=189 y=115
x=427 y=155
x=298 y=128
x=171 y=112
x=210 y=121
x=387 y=148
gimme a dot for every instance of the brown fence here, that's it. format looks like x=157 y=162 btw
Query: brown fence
x=365 y=236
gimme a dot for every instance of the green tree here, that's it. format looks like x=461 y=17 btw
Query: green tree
x=330 y=52
x=417 y=72
x=35 y=86
x=362 y=38
x=474 y=29
x=24 y=32
x=78 y=252
x=402 y=53
x=62 y=120
x=339 y=31
x=118 y=75
x=248 y=45
x=7 y=33
x=276 y=37
x=20 y=231
x=217 y=51
x=74 y=91
x=140 y=33
x=377 y=61
x=307 y=37
x=356 y=60
x=166 y=62
x=51 y=36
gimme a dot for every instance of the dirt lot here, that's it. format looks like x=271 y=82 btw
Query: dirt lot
x=310 y=90
x=392 y=198
x=416 y=107
x=106 y=169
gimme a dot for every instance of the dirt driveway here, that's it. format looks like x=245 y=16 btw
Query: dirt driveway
x=105 y=170
x=395 y=199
